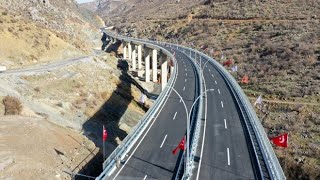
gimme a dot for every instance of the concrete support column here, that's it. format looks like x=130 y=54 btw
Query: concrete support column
x=124 y=50
x=164 y=72
x=171 y=69
x=147 y=65
x=139 y=57
x=129 y=51
x=134 y=56
x=154 y=65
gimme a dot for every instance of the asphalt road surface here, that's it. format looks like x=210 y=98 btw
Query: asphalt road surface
x=224 y=151
x=151 y=157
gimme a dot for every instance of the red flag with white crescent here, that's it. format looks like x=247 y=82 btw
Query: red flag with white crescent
x=180 y=146
x=104 y=134
x=281 y=140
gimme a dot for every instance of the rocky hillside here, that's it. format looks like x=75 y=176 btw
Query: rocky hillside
x=275 y=43
x=42 y=30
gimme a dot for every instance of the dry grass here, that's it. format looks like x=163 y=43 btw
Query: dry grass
x=12 y=105
x=301 y=159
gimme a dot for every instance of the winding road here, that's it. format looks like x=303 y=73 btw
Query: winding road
x=151 y=157
x=223 y=151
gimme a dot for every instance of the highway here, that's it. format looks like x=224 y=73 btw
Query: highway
x=224 y=153
x=151 y=157
x=229 y=141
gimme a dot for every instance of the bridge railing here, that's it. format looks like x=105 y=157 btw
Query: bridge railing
x=265 y=158
x=269 y=158
x=109 y=164
x=263 y=151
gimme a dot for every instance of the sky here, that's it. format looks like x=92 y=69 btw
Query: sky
x=84 y=1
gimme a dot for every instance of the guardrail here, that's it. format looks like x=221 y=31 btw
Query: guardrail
x=265 y=158
x=268 y=163
x=110 y=163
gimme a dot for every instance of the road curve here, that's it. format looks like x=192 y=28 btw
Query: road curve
x=151 y=157
x=225 y=153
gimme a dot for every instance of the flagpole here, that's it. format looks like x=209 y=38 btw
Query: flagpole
x=103 y=146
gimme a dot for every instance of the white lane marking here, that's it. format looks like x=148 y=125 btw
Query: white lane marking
x=219 y=91
x=228 y=156
x=204 y=132
x=209 y=70
x=212 y=75
x=184 y=87
x=180 y=99
x=186 y=74
x=225 y=124
x=215 y=82
x=145 y=177
x=222 y=104
x=135 y=149
x=174 y=117
x=185 y=69
x=185 y=80
x=165 y=137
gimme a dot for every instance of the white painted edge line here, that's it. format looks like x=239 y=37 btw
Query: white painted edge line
x=174 y=117
x=225 y=124
x=180 y=100
x=145 y=177
x=228 y=156
x=165 y=137
x=219 y=91
x=204 y=131
x=222 y=104
x=215 y=82
x=137 y=146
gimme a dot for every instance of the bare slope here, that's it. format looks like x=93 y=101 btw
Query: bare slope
x=81 y=98
x=41 y=31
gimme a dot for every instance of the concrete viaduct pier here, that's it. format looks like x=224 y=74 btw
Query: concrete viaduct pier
x=147 y=61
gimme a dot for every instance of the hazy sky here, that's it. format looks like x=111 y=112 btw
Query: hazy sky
x=83 y=1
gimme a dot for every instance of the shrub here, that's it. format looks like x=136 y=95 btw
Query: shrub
x=12 y=105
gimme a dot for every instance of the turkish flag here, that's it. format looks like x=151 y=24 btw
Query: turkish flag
x=281 y=140
x=180 y=146
x=245 y=79
x=227 y=63
x=104 y=134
